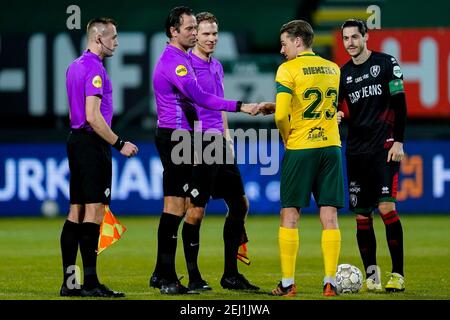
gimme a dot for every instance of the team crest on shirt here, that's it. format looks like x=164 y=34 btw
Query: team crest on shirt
x=375 y=70
x=97 y=81
x=353 y=200
x=181 y=70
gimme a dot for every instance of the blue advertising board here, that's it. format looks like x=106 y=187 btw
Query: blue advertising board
x=33 y=176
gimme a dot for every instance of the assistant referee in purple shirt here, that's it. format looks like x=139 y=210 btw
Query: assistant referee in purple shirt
x=89 y=92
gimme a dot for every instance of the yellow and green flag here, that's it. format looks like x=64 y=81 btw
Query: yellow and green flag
x=110 y=230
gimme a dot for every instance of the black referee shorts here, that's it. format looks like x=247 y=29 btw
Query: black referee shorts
x=90 y=168
x=216 y=180
x=176 y=177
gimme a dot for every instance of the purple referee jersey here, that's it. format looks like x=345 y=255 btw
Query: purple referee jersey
x=210 y=77
x=176 y=90
x=86 y=76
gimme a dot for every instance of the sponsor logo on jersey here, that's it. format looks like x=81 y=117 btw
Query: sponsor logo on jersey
x=354 y=187
x=349 y=79
x=317 y=134
x=397 y=71
x=97 y=81
x=364 y=76
x=366 y=91
x=375 y=70
x=181 y=70
x=107 y=192
x=385 y=190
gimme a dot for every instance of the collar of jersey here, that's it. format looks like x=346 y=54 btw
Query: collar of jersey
x=89 y=53
x=199 y=60
x=306 y=54
x=177 y=50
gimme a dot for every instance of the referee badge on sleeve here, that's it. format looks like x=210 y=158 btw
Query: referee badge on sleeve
x=97 y=81
x=181 y=70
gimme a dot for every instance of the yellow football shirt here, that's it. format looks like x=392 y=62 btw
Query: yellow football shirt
x=306 y=102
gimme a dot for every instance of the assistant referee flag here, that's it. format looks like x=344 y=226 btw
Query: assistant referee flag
x=110 y=230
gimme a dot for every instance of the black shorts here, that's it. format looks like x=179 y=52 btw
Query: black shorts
x=371 y=180
x=90 y=168
x=176 y=177
x=219 y=180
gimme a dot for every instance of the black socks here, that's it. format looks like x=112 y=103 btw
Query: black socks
x=88 y=248
x=367 y=244
x=70 y=237
x=167 y=246
x=394 y=236
x=191 y=244
x=233 y=231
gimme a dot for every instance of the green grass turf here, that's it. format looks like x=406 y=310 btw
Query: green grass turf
x=30 y=265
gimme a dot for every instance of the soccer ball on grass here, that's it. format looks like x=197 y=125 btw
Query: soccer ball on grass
x=349 y=279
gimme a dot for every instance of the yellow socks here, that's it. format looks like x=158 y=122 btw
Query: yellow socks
x=331 y=246
x=288 y=241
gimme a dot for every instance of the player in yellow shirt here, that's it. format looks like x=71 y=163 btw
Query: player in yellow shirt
x=305 y=114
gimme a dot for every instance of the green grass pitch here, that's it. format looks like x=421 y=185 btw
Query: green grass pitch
x=31 y=269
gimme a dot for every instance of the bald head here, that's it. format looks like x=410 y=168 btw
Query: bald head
x=98 y=26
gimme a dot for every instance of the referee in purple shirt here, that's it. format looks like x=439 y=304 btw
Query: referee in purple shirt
x=89 y=92
x=176 y=91
x=217 y=180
